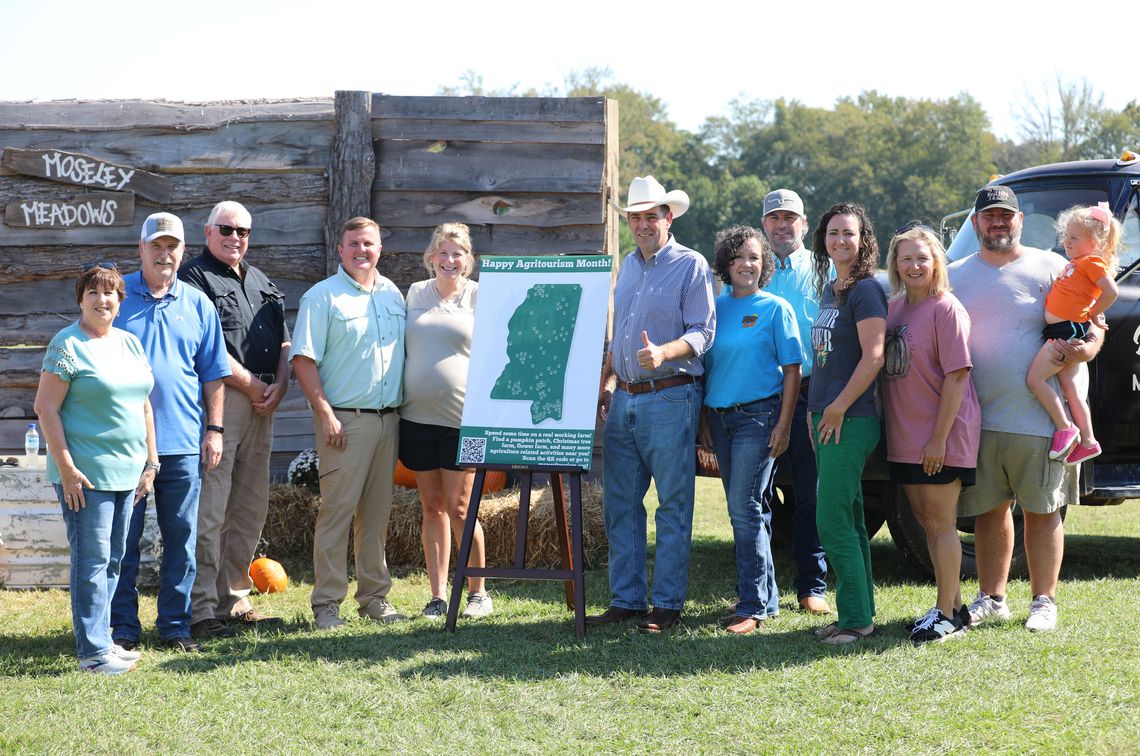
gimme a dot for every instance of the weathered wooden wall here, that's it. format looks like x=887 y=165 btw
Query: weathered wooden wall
x=529 y=175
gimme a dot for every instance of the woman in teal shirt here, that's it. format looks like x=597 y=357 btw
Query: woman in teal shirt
x=95 y=413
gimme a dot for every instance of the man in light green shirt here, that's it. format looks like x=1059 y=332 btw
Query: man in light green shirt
x=348 y=356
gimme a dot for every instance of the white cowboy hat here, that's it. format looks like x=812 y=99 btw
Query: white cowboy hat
x=646 y=192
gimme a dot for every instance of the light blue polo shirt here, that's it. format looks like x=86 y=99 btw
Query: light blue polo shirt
x=181 y=336
x=794 y=281
x=356 y=337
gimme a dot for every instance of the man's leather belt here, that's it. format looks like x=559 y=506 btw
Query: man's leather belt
x=265 y=377
x=358 y=410
x=642 y=387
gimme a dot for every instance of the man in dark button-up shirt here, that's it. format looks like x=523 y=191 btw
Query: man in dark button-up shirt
x=235 y=495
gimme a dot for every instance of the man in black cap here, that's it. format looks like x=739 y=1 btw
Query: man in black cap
x=1003 y=288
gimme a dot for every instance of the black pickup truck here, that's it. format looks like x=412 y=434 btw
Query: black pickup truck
x=1114 y=376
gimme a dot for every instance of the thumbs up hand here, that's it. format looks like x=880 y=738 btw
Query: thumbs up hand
x=651 y=356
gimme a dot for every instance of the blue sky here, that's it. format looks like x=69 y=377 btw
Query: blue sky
x=696 y=56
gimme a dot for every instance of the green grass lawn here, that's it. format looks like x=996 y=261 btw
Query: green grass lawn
x=522 y=682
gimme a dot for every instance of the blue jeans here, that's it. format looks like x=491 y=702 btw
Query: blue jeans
x=96 y=535
x=175 y=495
x=650 y=435
x=746 y=470
x=811 y=567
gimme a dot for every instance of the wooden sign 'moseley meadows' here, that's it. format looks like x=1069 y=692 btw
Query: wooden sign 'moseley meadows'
x=84 y=170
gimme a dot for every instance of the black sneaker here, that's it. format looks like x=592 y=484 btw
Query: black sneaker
x=211 y=628
x=184 y=645
x=964 y=618
x=936 y=627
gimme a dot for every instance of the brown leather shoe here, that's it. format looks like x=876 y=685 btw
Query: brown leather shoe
x=814 y=605
x=254 y=618
x=614 y=615
x=659 y=620
x=743 y=625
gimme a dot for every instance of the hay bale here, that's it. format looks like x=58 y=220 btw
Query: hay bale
x=293 y=512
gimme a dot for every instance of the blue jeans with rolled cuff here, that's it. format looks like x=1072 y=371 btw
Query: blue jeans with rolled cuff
x=176 y=489
x=650 y=435
x=741 y=437
x=96 y=535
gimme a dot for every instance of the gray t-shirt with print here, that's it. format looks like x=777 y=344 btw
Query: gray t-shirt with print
x=836 y=349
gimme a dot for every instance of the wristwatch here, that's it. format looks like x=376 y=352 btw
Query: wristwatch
x=216 y=428
x=156 y=466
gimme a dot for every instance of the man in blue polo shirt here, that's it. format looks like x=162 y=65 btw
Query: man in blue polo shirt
x=182 y=338
x=793 y=279
x=348 y=356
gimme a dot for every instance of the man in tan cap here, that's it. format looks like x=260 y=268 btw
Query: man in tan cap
x=650 y=401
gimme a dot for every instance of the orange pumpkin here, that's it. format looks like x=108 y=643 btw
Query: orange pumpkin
x=496 y=480
x=268 y=575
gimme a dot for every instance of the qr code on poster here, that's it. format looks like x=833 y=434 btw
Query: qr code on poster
x=473 y=450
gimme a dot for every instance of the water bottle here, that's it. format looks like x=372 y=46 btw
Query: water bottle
x=32 y=446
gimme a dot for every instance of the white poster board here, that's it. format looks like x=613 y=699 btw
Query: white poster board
x=536 y=357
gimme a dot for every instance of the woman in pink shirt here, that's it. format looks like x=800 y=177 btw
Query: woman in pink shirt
x=933 y=416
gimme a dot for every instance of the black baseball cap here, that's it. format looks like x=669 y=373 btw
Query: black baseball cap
x=996 y=195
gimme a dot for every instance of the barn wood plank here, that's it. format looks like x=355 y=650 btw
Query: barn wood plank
x=489 y=167
x=266 y=146
x=507 y=240
x=188 y=189
x=112 y=115
x=431 y=208
x=91 y=171
x=283 y=224
x=116 y=208
x=490 y=108
x=540 y=132
x=37 y=277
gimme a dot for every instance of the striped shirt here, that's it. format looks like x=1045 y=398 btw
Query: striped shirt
x=670 y=297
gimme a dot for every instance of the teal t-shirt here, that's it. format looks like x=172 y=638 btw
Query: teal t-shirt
x=103 y=419
x=755 y=335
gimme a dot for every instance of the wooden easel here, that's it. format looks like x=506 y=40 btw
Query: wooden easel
x=571 y=574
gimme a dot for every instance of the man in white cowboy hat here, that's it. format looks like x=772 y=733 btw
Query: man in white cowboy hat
x=793 y=279
x=650 y=400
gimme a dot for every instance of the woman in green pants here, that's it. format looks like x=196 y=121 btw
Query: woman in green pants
x=847 y=344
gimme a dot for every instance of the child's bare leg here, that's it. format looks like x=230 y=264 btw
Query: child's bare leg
x=1041 y=371
x=1078 y=407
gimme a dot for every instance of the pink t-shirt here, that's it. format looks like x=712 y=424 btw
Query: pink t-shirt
x=924 y=343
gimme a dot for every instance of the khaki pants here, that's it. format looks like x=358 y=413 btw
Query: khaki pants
x=355 y=482
x=231 y=513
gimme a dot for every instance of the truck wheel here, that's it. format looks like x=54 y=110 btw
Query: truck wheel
x=910 y=538
x=783 y=520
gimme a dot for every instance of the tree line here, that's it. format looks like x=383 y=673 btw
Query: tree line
x=904 y=159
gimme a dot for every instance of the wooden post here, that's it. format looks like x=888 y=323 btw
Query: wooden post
x=611 y=190
x=352 y=167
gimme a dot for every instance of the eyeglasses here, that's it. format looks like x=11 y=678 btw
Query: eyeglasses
x=104 y=264
x=227 y=230
x=912 y=225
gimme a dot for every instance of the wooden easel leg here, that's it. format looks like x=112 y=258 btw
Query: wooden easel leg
x=465 y=550
x=579 y=557
x=523 y=521
x=563 y=535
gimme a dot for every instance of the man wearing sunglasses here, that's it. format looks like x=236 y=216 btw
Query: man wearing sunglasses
x=182 y=338
x=235 y=494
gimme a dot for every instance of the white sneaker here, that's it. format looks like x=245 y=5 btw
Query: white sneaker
x=124 y=654
x=106 y=664
x=328 y=617
x=1042 y=614
x=478 y=605
x=984 y=608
